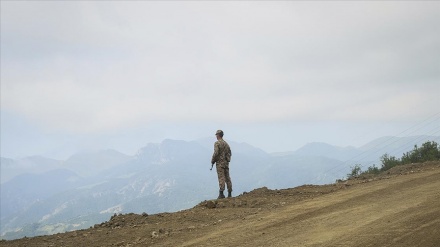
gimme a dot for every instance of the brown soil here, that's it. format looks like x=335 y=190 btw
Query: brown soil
x=398 y=208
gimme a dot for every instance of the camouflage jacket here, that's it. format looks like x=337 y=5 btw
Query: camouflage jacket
x=222 y=152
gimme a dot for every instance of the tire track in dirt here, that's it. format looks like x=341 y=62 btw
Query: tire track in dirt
x=413 y=209
x=383 y=213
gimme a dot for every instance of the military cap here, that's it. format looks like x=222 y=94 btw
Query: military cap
x=219 y=132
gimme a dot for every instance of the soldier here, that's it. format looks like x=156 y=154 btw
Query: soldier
x=222 y=157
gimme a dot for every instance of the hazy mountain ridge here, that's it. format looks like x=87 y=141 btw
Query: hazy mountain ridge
x=327 y=150
x=167 y=176
x=92 y=163
x=32 y=164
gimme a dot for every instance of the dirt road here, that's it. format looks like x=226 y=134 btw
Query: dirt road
x=401 y=208
x=400 y=211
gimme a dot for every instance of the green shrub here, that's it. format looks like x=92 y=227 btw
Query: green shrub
x=429 y=151
x=355 y=171
x=389 y=162
x=372 y=170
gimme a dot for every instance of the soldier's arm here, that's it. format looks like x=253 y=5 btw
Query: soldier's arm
x=215 y=154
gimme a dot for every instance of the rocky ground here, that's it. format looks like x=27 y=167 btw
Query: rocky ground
x=400 y=207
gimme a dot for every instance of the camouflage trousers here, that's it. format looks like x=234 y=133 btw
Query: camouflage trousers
x=223 y=176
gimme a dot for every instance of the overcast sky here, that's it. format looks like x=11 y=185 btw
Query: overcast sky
x=276 y=74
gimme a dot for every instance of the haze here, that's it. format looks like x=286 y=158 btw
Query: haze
x=81 y=75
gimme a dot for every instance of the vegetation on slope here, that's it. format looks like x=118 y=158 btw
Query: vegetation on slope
x=429 y=151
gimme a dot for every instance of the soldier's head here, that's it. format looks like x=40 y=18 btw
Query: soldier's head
x=219 y=134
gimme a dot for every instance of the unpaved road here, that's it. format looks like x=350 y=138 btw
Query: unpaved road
x=400 y=208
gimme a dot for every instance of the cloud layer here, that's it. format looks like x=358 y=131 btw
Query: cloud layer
x=92 y=66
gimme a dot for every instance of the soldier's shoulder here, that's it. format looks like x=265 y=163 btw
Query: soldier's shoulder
x=220 y=143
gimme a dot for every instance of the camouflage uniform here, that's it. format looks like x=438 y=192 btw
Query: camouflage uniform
x=221 y=156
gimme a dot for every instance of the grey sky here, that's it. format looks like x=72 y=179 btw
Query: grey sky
x=116 y=74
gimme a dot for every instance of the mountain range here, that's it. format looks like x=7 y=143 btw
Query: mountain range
x=42 y=196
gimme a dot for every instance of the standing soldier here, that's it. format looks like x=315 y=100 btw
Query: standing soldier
x=222 y=157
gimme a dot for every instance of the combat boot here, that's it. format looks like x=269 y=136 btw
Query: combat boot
x=221 y=195
x=230 y=193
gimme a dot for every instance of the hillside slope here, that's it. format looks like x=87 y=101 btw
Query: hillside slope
x=398 y=208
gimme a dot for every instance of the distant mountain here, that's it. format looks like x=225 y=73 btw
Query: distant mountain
x=367 y=154
x=44 y=196
x=32 y=164
x=237 y=148
x=24 y=190
x=396 y=146
x=90 y=163
x=327 y=150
